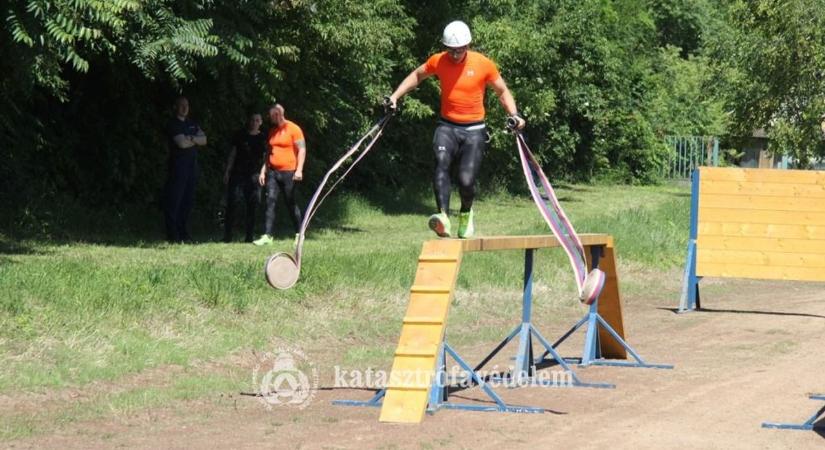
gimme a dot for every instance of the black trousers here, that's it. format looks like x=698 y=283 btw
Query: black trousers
x=179 y=196
x=278 y=181
x=464 y=148
x=241 y=187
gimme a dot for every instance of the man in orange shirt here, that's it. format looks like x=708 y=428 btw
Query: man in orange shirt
x=461 y=135
x=283 y=166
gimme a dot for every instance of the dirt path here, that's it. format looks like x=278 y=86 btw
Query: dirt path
x=753 y=357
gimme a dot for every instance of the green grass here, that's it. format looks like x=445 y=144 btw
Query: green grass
x=73 y=313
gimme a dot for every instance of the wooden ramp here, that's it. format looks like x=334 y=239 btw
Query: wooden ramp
x=424 y=325
x=413 y=369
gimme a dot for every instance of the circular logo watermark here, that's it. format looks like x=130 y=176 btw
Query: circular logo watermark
x=285 y=377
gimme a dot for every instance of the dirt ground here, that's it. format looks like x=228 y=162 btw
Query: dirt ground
x=754 y=355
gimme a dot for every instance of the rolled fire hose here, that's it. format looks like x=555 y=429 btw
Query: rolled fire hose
x=283 y=269
x=590 y=284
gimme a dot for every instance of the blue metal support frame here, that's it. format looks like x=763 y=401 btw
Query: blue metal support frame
x=475 y=379
x=591 y=354
x=689 y=300
x=440 y=390
x=809 y=424
x=524 y=371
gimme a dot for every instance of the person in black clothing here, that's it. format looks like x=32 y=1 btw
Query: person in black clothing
x=241 y=177
x=184 y=136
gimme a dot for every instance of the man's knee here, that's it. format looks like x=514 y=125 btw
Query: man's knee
x=467 y=190
x=466 y=180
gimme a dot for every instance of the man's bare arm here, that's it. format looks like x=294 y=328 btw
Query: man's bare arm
x=183 y=141
x=409 y=83
x=199 y=138
x=507 y=100
x=302 y=152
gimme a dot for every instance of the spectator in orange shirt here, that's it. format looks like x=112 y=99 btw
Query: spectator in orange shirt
x=283 y=166
x=461 y=136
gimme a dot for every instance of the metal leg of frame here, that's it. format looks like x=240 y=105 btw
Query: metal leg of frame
x=809 y=424
x=591 y=354
x=524 y=372
x=375 y=401
x=439 y=392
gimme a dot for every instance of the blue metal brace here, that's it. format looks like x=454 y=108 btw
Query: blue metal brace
x=439 y=392
x=376 y=400
x=689 y=299
x=525 y=368
x=592 y=350
x=809 y=424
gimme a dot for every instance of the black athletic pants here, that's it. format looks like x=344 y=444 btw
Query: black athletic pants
x=464 y=146
x=278 y=181
x=241 y=186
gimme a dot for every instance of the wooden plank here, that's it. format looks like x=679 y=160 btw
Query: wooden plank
x=762 y=230
x=403 y=406
x=759 y=272
x=412 y=372
x=762 y=258
x=525 y=242
x=419 y=336
x=610 y=305
x=762 y=203
x=434 y=276
x=433 y=306
x=766 y=189
x=762 y=175
x=727 y=215
x=781 y=245
x=415 y=356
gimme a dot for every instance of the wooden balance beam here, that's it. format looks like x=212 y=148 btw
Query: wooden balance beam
x=406 y=397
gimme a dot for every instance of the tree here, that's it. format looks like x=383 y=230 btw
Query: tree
x=774 y=57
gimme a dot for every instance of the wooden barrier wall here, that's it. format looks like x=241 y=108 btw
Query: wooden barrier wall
x=755 y=223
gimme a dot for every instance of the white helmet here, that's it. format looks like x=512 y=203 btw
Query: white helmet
x=456 y=34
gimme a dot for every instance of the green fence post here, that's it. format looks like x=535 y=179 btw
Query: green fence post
x=715 y=152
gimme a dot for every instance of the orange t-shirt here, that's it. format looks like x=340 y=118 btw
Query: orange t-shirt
x=283 y=153
x=462 y=84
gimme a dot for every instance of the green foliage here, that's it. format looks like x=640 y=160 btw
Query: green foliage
x=685 y=101
x=682 y=23
x=89 y=83
x=772 y=58
x=581 y=73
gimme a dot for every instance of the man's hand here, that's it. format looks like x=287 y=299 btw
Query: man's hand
x=226 y=177
x=390 y=104
x=199 y=138
x=520 y=122
x=262 y=178
x=515 y=122
x=298 y=176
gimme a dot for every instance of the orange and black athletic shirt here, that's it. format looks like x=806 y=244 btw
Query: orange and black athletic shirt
x=462 y=84
x=283 y=153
